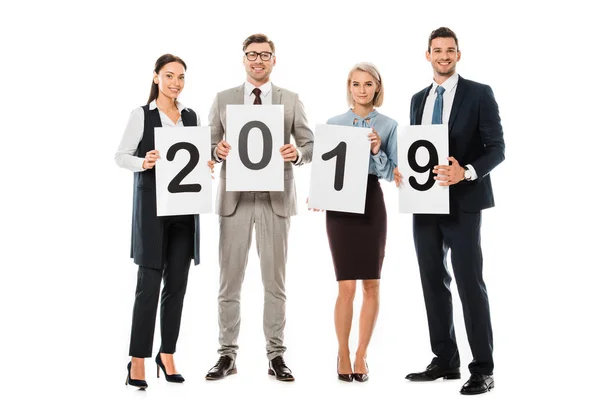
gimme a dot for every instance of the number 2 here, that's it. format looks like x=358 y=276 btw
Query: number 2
x=175 y=185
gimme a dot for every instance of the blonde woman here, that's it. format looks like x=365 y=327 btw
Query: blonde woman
x=357 y=241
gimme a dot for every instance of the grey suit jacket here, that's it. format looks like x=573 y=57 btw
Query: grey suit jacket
x=295 y=124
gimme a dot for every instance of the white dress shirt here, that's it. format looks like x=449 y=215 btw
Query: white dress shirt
x=266 y=93
x=135 y=131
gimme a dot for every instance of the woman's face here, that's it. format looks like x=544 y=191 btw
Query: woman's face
x=170 y=80
x=363 y=87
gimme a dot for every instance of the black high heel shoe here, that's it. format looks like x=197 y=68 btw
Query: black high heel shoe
x=176 y=378
x=140 y=383
x=343 y=377
x=362 y=377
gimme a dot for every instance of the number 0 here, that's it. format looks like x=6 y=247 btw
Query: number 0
x=267 y=145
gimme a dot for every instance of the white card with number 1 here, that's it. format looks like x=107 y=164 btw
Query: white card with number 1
x=339 y=169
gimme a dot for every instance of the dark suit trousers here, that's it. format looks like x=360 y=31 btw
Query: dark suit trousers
x=459 y=232
x=179 y=243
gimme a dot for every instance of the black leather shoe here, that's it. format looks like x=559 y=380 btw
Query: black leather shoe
x=343 y=377
x=176 y=378
x=224 y=367
x=140 y=383
x=434 y=372
x=278 y=369
x=477 y=384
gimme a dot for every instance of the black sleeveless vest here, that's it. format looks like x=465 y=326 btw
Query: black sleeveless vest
x=147 y=228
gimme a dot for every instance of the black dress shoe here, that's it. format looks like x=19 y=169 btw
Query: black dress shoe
x=224 y=367
x=477 y=384
x=176 y=378
x=278 y=369
x=343 y=377
x=140 y=383
x=434 y=372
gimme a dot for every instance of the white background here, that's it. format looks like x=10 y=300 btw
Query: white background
x=73 y=71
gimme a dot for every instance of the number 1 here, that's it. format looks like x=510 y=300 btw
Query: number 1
x=340 y=164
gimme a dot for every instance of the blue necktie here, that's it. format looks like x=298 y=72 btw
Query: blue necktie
x=438 y=106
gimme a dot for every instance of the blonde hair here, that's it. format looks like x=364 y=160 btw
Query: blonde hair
x=374 y=72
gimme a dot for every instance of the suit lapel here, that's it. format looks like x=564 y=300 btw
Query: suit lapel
x=276 y=97
x=422 y=105
x=239 y=95
x=461 y=90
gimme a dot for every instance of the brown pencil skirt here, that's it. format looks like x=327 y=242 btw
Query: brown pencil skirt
x=357 y=241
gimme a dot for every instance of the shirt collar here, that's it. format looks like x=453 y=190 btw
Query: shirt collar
x=448 y=84
x=265 y=89
x=360 y=120
x=369 y=116
x=180 y=106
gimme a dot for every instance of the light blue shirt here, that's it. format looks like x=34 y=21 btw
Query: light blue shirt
x=383 y=163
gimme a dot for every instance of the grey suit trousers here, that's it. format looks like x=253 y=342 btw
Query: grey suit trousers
x=253 y=211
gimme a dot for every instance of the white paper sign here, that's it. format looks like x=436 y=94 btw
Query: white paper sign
x=255 y=134
x=420 y=148
x=183 y=179
x=340 y=166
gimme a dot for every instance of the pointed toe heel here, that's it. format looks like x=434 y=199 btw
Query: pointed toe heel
x=175 y=378
x=139 y=383
x=343 y=377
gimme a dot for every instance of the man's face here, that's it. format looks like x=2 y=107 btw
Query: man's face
x=258 y=70
x=443 y=56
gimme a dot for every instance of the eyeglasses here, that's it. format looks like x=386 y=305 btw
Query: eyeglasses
x=265 y=55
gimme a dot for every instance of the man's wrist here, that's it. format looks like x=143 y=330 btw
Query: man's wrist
x=467 y=174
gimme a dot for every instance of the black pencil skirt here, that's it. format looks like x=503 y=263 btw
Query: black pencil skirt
x=357 y=241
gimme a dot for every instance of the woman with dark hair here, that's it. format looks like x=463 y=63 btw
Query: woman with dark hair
x=162 y=247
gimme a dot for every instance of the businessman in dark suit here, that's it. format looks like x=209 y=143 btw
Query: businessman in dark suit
x=476 y=146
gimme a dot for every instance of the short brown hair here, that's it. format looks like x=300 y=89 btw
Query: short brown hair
x=258 y=38
x=370 y=69
x=442 y=32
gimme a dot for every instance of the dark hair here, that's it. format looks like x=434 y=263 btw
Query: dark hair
x=442 y=32
x=161 y=62
x=258 y=38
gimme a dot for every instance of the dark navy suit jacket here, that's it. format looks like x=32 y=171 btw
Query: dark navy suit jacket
x=475 y=137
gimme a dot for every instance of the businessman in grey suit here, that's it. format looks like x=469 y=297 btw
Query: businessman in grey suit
x=267 y=212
